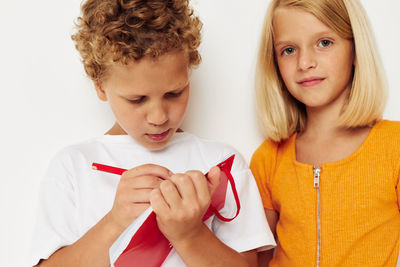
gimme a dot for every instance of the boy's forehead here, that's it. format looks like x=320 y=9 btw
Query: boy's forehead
x=173 y=60
x=169 y=71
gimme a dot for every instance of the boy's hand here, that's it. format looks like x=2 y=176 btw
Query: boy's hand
x=133 y=193
x=181 y=201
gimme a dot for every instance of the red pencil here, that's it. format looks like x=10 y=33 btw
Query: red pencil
x=106 y=168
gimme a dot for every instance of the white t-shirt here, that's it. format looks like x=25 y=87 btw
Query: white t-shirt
x=74 y=197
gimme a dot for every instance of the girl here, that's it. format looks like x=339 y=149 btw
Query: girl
x=328 y=172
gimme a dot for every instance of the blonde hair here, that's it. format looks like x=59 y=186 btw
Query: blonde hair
x=280 y=114
x=121 y=31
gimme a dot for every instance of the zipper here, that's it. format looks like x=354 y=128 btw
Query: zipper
x=317 y=173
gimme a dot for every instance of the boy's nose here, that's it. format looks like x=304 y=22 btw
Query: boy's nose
x=157 y=115
x=306 y=60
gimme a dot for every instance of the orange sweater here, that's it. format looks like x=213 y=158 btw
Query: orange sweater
x=359 y=219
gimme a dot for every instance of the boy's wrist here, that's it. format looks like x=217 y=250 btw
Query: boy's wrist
x=112 y=225
x=191 y=240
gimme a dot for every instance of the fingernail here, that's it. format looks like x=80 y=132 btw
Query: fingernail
x=170 y=173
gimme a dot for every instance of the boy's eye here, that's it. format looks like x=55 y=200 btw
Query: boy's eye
x=173 y=94
x=324 y=43
x=137 y=100
x=288 y=51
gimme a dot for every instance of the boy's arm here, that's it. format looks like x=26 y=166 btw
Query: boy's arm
x=132 y=198
x=90 y=250
x=179 y=204
x=205 y=249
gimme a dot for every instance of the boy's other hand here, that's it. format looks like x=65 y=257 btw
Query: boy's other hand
x=214 y=179
x=181 y=201
x=132 y=197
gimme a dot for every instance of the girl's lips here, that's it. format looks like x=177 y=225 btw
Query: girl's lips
x=311 y=82
x=158 y=137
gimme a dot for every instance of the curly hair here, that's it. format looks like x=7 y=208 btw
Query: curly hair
x=122 y=31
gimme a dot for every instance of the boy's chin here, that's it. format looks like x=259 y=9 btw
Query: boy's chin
x=155 y=146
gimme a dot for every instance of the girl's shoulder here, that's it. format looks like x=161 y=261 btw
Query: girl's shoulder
x=390 y=125
x=269 y=152
x=267 y=148
x=386 y=139
x=388 y=130
x=270 y=147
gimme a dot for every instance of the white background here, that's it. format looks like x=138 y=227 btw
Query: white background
x=46 y=101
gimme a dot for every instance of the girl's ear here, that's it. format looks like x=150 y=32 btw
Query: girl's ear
x=101 y=94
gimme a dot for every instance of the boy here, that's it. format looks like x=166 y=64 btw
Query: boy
x=139 y=54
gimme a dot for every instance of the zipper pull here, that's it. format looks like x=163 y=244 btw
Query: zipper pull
x=317 y=171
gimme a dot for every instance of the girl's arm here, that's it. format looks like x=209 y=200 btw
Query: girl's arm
x=265 y=257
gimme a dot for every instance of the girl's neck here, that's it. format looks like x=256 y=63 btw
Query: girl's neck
x=322 y=121
x=323 y=141
x=321 y=125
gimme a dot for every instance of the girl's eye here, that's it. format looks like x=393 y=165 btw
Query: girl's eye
x=324 y=43
x=288 y=51
x=137 y=100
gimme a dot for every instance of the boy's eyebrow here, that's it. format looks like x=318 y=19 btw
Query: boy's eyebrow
x=177 y=88
x=131 y=96
x=181 y=87
x=128 y=95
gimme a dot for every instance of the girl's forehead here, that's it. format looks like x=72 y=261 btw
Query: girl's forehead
x=289 y=15
x=293 y=21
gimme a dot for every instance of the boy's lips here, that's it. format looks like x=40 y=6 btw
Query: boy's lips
x=311 y=81
x=158 y=137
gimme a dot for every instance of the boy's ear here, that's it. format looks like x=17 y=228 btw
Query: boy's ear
x=101 y=94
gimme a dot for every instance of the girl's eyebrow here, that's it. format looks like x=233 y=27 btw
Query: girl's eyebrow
x=324 y=33
x=281 y=43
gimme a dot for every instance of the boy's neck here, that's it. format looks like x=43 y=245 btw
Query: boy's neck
x=116 y=130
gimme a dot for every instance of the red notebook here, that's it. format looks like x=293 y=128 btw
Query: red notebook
x=148 y=247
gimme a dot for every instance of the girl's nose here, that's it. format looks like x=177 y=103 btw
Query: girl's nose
x=306 y=60
x=157 y=115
